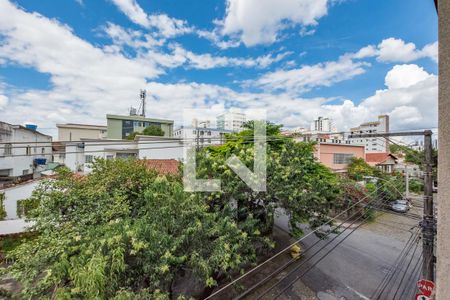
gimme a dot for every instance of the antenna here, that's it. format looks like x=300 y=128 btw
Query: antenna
x=143 y=95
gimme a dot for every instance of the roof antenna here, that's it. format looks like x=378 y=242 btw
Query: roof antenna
x=142 y=96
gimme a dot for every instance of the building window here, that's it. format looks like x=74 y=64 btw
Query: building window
x=89 y=158
x=28 y=150
x=109 y=157
x=8 y=149
x=342 y=158
x=42 y=150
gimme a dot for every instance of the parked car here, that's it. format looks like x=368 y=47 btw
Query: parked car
x=403 y=202
x=401 y=205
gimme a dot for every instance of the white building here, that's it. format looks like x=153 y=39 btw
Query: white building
x=23 y=150
x=231 y=120
x=201 y=136
x=76 y=132
x=372 y=144
x=323 y=125
x=80 y=155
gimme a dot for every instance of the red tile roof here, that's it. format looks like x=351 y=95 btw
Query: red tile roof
x=164 y=166
x=378 y=157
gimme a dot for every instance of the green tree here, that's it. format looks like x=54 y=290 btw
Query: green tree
x=2 y=206
x=358 y=169
x=296 y=181
x=152 y=130
x=123 y=232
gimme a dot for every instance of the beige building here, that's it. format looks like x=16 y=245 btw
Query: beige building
x=76 y=132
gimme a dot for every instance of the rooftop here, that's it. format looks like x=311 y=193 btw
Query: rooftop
x=75 y=125
x=138 y=118
x=163 y=166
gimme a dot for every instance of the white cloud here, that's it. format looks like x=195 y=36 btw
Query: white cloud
x=260 y=21
x=88 y=82
x=3 y=101
x=397 y=50
x=403 y=76
x=306 y=77
x=165 y=25
x=151 y=49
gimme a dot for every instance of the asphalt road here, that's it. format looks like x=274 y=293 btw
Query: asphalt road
x=355 y=268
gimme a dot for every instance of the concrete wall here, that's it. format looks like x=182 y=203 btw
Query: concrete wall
x=76 y=134
x=443 y=209
x=170 y=148
x=325 y=154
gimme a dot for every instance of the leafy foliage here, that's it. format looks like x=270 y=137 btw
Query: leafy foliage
x=2 y=207
x=296 y=182
x=358 y=169
x=152 y=130
x=416 y=185
x=25 y=206
x=123 y=231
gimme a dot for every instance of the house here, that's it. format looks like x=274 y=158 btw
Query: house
x=337 y=156
x=24 y=151
x=80 y=155
x=373 y=145
x=120 y=127
x=384 y=161
x=76 y=132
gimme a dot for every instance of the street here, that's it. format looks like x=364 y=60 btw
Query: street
x=355 y=268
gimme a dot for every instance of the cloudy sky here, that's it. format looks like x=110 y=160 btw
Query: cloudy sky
x=77 y=60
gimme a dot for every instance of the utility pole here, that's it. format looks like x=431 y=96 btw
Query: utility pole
x=407 y=182
x=428 y=222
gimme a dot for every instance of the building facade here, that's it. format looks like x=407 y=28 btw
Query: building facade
x=201 y=136
x=323 y=125
x=372 y=145
x=231 y=121
x=76 y=132
x=80 y=155
x=23 y=150
x=120 y=127
x=338 y=156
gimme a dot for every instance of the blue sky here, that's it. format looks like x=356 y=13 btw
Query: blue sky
x=75 y=61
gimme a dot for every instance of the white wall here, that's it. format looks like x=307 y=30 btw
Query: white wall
x=20 y=161
x=160 y=149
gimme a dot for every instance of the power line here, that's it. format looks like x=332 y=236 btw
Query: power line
x=270 y=276
x=320 y=259
x=314 y=254
x=284 y=250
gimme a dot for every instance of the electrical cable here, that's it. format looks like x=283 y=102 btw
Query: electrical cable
x=303 y=262
x=270 y=276
x=285 y=249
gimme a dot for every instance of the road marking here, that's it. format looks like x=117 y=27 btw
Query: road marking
x=358 y=293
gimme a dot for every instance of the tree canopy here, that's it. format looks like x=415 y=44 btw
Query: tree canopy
x=125 y=232
x=152 y=130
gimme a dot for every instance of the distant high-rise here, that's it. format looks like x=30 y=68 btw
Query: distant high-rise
x=231 y=121
x=323 y=125
x=372 y=144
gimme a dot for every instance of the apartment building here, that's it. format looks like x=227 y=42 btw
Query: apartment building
x=201 y=135
x=323 y=125
x=372 y=145
x=231 y=120
x=120 y=127
x=24 y=151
